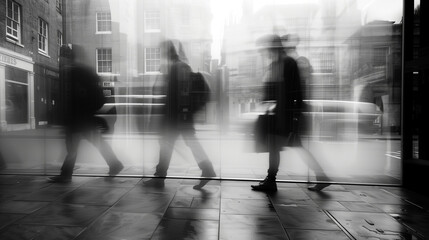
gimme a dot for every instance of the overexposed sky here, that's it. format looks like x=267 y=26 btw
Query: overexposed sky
x=227 y=10
x=390 y=10
x=222 y=10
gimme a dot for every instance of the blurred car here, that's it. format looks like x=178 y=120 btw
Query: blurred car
x=330 y=119
x=337 y=119
x=131 y=113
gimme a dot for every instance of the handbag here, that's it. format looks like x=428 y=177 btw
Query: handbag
x=265 y=133
x=264 y=126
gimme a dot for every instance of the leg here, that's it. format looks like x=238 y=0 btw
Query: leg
x=200 y=157
x=166 y=144
x=269 y=183
x=72 y=143
x=195 y=146
x=2 y=162
x=316 y=168
x=313 y=164
x=274 y=161
x=106 y=151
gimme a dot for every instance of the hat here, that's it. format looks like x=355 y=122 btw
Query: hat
x=269 y=41
x=290 y=40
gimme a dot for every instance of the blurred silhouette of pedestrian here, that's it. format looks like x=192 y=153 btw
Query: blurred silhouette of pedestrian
x=290 y=43
x=2 y=162
x=83 y=96
x=283 y=91
x=178 y=112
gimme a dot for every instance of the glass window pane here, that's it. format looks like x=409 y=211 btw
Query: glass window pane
x=347 y=54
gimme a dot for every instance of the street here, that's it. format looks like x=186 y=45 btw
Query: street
x=364 y=160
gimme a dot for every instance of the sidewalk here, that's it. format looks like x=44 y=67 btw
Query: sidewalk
x=127 y=208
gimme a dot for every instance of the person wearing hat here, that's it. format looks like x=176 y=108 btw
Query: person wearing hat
x=290 y=42
x=282 y=86
x=283 y=90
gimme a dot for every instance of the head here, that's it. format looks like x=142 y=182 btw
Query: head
x=290 y=41
x=270 y=46
x=172 y=50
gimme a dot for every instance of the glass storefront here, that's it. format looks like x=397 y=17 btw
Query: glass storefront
x=16 y=96
x=348 y=53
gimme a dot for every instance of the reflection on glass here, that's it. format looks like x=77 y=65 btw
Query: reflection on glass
x=348 y=53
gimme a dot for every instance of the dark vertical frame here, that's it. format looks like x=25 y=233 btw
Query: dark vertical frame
x=407 y=80
x=415 y=170
x=407 y=88
x=423 y=88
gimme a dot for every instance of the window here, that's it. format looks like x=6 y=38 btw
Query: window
x=59 y=6
x=59 y=38
x=323 y=60
x=104 y=60
x=152 y=22
x=104 y=22
x=16 y=95
x=43 y=36
x=380 y=56
x=152 y=59
x=59 y=42
x=13 y=19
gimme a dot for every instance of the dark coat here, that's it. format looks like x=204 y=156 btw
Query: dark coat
x=283 y=85
x=83 y=96
x=175 y=85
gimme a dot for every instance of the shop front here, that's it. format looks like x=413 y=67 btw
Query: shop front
x=16 y=91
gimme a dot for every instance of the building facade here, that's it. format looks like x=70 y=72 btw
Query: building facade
x=31 y=33
x=375 y=69
x=103 y=33
x=121 y=42
x=350 y=60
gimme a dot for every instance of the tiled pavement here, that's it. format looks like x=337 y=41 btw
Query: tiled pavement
x=127 y=208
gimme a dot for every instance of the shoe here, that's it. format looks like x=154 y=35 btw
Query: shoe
x=59 y=179
x=266 y=185
x=159 y=174
x=318 y=187
x=207 y=172
x=117 y=168
x=155 y=182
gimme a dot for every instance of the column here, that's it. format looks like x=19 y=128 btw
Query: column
x=31 y=100
x=3 y=123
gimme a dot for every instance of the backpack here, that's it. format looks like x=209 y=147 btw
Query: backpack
x=199 y=91
x=93 y=95
x=83 y=93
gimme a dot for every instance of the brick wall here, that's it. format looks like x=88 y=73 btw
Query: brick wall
x=30 y=13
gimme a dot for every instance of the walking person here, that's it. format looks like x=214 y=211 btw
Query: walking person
x=290 y=43
x=178 y=112
x=283 y=92
x=83 y=97
x=2 y=162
